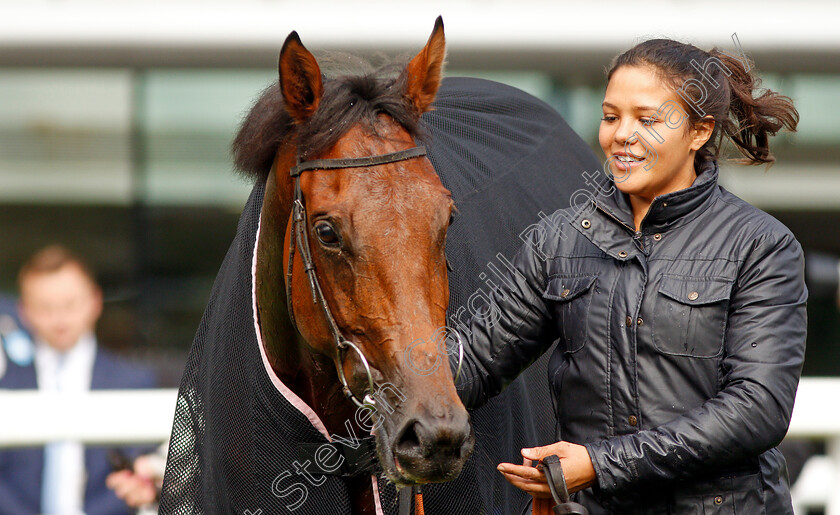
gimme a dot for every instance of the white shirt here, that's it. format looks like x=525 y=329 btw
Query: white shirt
x=69 y=371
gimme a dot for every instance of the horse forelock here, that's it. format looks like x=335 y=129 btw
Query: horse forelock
x=347 y=101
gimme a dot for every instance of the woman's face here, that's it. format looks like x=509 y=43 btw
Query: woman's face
x=633 y=96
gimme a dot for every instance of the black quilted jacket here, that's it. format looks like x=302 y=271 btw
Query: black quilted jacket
x=679 y=346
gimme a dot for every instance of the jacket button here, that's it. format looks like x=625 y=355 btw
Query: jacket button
x=657 y=236
x=633 y=421
x=565 y=293
x=585 y=223
x=629 y=321
x=693 y=295
x=622 y=254
x=719 y=499
x=639 y=321
x=664 y=204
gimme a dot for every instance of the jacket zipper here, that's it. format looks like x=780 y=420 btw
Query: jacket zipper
x=637 y=239
x=637 y=235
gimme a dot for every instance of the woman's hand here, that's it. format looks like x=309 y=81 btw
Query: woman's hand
x=576 y=463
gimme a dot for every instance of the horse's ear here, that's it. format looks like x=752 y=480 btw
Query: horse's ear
x=300 y=79
x=424 y=72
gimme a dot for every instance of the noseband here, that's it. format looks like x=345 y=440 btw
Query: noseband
x=300 y=231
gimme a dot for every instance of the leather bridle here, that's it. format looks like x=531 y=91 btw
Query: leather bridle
x=299 y=236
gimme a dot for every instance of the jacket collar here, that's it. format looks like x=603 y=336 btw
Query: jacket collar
x=669 y=210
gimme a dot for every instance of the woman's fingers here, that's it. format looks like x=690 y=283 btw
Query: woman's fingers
x=538 y=453
x=535 y=488
x=526 y=478
x=522 y=471
x=577 y=465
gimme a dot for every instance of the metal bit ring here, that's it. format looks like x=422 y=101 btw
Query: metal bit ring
x=368 y=401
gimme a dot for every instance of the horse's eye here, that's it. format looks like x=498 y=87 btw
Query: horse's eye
x=451 y=218
x=326 y=233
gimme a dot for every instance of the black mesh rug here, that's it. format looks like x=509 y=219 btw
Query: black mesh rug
x=505 y=156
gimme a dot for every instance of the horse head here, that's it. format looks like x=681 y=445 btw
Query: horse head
x=364 y=259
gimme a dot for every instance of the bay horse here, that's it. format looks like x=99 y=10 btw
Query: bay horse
x=350 y=265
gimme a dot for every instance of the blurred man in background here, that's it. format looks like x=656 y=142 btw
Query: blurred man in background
x=60 y=303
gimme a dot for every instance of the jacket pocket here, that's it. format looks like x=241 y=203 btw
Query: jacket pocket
x=571 y=297
x=689 y=315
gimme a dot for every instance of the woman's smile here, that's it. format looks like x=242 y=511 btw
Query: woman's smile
x=625 y=161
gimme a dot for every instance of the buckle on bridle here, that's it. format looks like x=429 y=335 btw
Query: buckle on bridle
x=298 y=208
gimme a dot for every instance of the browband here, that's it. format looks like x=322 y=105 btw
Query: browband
x=357 y=162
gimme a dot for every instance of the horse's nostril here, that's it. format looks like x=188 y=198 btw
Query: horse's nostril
x=409 y=441
x=432 y=450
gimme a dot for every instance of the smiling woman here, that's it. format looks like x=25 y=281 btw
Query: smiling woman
x=656 y=79
x=679 y=309
x=629 y=102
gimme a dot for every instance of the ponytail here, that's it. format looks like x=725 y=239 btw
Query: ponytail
x=752 y=117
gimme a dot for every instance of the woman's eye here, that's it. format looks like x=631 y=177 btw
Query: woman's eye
x=609 y=118
x=648 y=121
x=326 y=233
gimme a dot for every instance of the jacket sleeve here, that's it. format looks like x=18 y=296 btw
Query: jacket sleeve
x=511 y=330
x=764 y=349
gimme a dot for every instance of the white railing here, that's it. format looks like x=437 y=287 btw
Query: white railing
x=30 y=417
x=815 y=415
x=135 y=416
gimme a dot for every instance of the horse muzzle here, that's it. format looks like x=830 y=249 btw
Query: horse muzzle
x=431 y=449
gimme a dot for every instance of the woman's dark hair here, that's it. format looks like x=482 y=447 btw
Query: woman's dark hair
x=742 y=111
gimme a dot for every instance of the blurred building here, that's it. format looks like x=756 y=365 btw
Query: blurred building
x=116 y=119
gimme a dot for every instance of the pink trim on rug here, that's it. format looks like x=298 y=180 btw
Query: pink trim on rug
x=376 y=500
x=284 y=390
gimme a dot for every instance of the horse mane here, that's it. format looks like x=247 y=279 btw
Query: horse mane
x=347 y=101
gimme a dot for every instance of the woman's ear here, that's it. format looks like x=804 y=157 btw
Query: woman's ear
x=702 y=131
